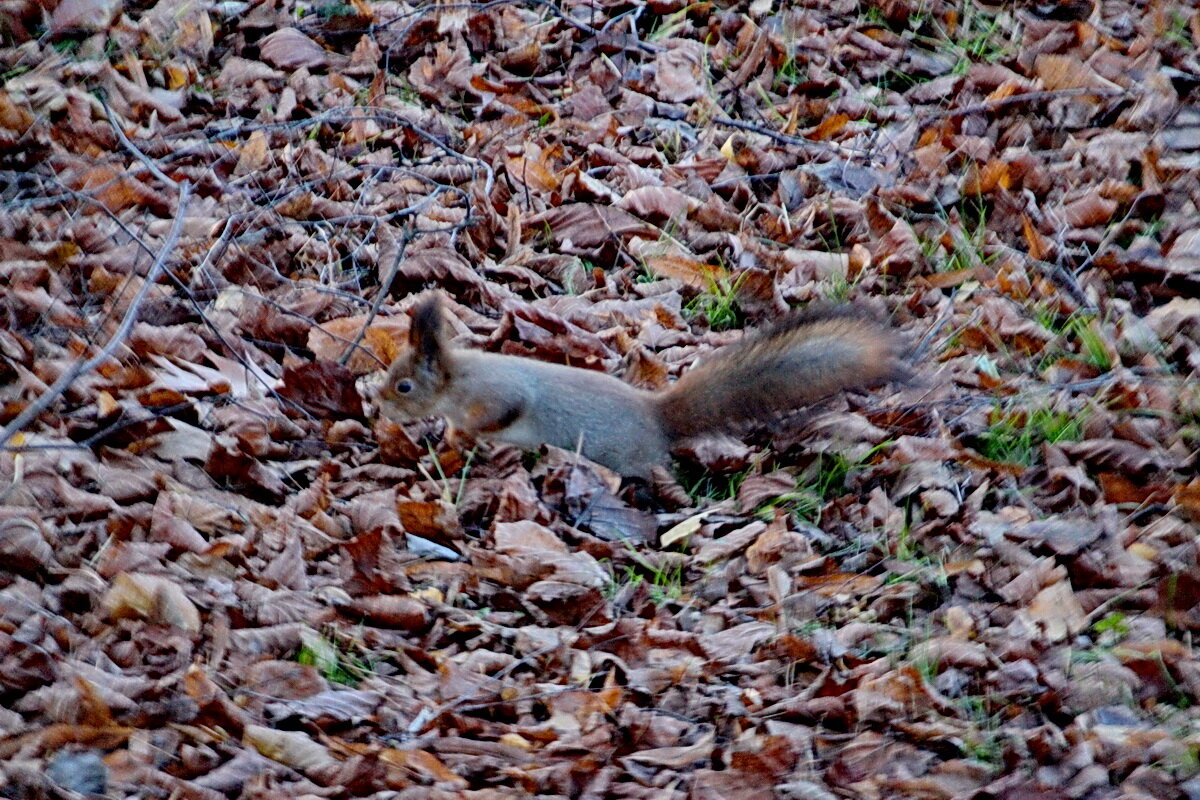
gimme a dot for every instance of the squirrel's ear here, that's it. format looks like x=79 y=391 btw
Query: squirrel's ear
x=425 y=334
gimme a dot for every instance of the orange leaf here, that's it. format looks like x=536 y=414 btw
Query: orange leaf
x=1068 y=72
x=995 y=174
x=828 y=127
x=1039 y=246
x=692 y=272
x=1187 y=499
x=1089 y=211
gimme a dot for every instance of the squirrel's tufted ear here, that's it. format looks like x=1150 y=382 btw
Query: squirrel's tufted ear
x=425 y=334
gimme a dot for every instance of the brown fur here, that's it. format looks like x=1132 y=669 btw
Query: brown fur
x=806 y=356
x=527 y=402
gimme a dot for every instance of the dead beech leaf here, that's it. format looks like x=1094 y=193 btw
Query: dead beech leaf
x=569 y=603
x=448 y=71
x=960 y=623
x=285 y=680
x=538 y=546
x=1121 y=455
x=253 y=155
x=828 y=127
x=153 y=598
x=1178 y=598
x=384 y=340
x=535 y=169
x=323 y=388
x=696 y=274
x=777 y=545
x=897 y=693
x=719 y=453
x=390 y=610
x=676 y=757
x=83 y=16
x=730 y=544
x=898 y=252
x=12 y=116
x=586 y=226
x=287 y=569
x=1026 y=584
x=1180 y=314
x=1089 y=211
x=167 y=525
x=1065 y=536
x=757 y=292
x=403 y=763
x=838 y=583
x=23 y=544
x=951 y=651
x=431 y=519
x=945 y=280
x=758 y=488
x=1039 y=246
x=334 y=705
x=1068 y=72
x=117 y=190
x=293 y=748
x=1056 y=611
x=657 y=204
x=677 y=73
x=1187 y=499
x=1117 y=487
x=237 y=71
x=986 y=179
x=290 y=49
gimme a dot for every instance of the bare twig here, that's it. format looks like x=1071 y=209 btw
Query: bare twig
x=1015 y=99
x=31 y=411
x=384 y=287
x=132 y=148
x=633 y=43
x=782 y=138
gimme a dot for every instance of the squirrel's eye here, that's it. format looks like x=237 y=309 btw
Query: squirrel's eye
x=404 y=387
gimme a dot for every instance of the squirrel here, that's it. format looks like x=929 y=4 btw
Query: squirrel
x=525 y=402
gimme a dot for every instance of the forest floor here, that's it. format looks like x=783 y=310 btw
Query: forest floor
x=221 y=576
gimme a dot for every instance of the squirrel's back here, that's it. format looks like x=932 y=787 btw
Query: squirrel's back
x=786 y=366
x=528 y=403
x=608 y=420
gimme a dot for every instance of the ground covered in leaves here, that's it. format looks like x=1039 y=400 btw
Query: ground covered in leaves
x=221 y=577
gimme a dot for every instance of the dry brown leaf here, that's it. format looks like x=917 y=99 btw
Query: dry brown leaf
x=1089 y=211
x=289 y=49
x=152 y=598
x=23 y=543
x=1068 y=72
x=14 y=117
x=83 y=16
x=658 y=204
x=1056 y=611
x=536 y=545
x=694 y=273
x=293 y=748
x=677 y=74
x=393 y=611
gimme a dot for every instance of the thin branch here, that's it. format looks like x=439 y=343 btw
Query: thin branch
x=384 y=288
x=132 y=148
x=781 y=138
x=1014 y=99
x=35 y=408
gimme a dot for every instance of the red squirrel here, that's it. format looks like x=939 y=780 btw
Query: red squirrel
x=527 y=403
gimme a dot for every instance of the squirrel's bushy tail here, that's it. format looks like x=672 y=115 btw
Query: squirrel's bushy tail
x=800 y=359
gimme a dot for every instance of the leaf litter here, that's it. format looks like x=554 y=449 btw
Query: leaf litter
x=223 y=578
